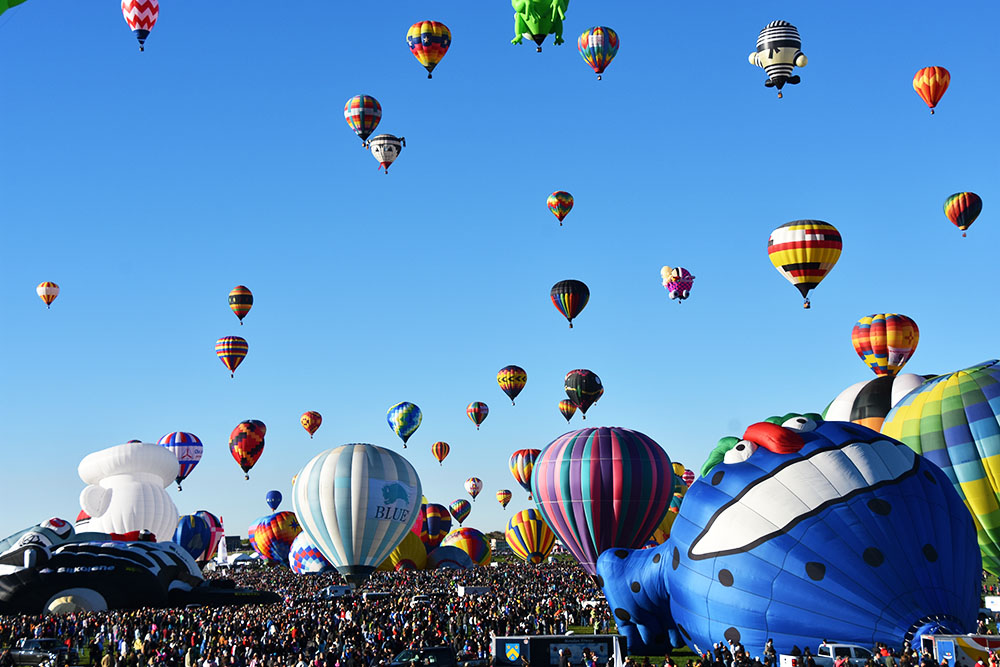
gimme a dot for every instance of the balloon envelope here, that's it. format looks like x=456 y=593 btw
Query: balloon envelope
x=404 y=418
x=867 y=403
x=187 y=448
x=931 y=84
x=409 y=554
x=472 y=542
x=598 y=47
x=473 y=486
x=521 y=463
x=363 y=113
x=275 y=534
x=804 y=251
x=885 y=342
x=460 y=510
x=529 y=537
x=193 y=534
x=240 y=301
x=512 y=380
x=273 y=499
x=570 y=297
x=305 y=558
x=448 y=558
x=428 y=42
x=432 y=524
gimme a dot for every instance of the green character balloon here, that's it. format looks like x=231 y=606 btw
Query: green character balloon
x=535 y=19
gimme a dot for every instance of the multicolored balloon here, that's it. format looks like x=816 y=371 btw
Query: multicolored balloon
x=231 y=350
x=275 y=534
x=504 y=496
x=677 y=282
x=432 y=524
x=218 y=533
x=930 y=83
x=428 y=42
x=521 y=463
x=560 y=203
x=187 y=448
x=141 y=16
x=473 y=486
x=962 y=208
x=273 y=499
x=311 y=421
x=779 y=50
x=529 y=537
x=404 y=418
x=867 y=403
x=252 y=533
x=567 y=408
x=477 y=411
x=688 y=476
x=599 y=488
x=192 y=535
x=47 y=292
x=408 y=555
x=240 y=301
x=386 y=148
x=440 y=451
x=363 y=113
x=885 y=342
x=246 y=443
x=512 y=380
x=583 y=388
x=460 y=510
x=305 y=558
x=804 y=251
x=472 y=542
x=598 y=47
x=357 y=502
x=570 y=297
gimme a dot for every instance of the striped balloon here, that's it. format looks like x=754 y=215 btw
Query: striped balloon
x=187 y=448
x=477 y=411
x=472 y=542
x=305 y=558
x=473 y=486
x=930 y=83
x=141 y=16
x=460 y=510
x=521 y=463
x=357 y=502
x=240 y=301
x=688 y=476
x=440 y=451
x=428 y=42
x=529 y=537
x=231 y=350
x=512 y=380
x=954 y=421
x=567 y=409
x=962 y=208
x=504 y=496
x=885 y=342
x=47 y=292
x=432 y=524
x=598 y=47
x=404 y=418
x=600 y=488
x=560 y=203
x=570 y=297
x=218 y=533
x=804 y=251
x=363 y=113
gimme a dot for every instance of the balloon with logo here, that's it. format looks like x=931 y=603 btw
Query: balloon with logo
x=962 y=208
x=311 y=421
x=305 y=558
x=440 y=451
x=193 y=535
x=240 y=301
x=598 y=46
x=570 y=297
x=409 y=554
x=47 y=292
x=567 y=408
x=472 y=542
x=357 y=502
x=141 y=16
x=521 y=464
x=246 y=443
x=529 y=537
x=584 y=388
x=512 y=380
x=931 y=83
x=231 y=351
x=504 y=496
x=273 y=499
x=460 y=510
x=560 y=203
x=473 y=486
x=404 y=418
x=885 y=342
x=187 y=448
x=432 y=524
x=428 y=42
x=804 y=252
x=218 y=533
x=363 y=113
x=477 y=411
x=275 y=534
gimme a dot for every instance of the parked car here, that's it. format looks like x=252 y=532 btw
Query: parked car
x=420 y=600
x=434 y=656
x=826 y=654
x=38 y=651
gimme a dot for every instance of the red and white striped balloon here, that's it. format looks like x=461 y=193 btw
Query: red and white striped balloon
x=141 y=16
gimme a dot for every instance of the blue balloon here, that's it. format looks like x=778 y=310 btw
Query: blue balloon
x=804 y=531
x=193 y=534
x=273 y=499
x=449 y=558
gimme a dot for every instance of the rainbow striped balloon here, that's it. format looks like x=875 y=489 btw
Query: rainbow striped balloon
x=885 y=341
x=472 y=542
x=231 y=350
x=504 y=496
x=600 y=488
x=460 y=510
x=529 y=537
x=521 y=464
x=962 y=208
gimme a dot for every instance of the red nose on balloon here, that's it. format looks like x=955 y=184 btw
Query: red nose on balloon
x=774 y=438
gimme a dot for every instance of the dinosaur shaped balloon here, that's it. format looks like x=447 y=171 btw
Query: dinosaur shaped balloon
x=535 y=19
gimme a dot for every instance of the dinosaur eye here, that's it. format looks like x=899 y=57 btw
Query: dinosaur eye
x=802 y=424
x=740 y=452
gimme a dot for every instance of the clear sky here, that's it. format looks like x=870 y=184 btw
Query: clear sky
x=147 y=185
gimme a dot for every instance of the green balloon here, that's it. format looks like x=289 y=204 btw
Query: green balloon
x=535 y=19
x=7 y=4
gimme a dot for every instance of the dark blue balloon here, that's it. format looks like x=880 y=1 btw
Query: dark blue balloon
x=193 y=534
x=818 y=530
x=273 y=499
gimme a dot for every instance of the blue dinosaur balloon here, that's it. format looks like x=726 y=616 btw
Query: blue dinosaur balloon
x=404 y=418
x=804 y=531
x=273 y=499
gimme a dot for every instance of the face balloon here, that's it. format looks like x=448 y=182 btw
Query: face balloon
x=534 y=19
x=885 y=342
x=779 y=49
x=804 y=251
x=678 y=282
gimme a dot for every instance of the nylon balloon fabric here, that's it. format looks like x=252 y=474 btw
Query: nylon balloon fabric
x=311 y=421
x=584 y=388
x=408 y=555
x=240 y=301
x=600 y=488
x=477 y=411
x=460 y=510
x=188 y=450
x=193 y=535
x=275 y=534
x=432 y=524
x=504 y=496
x=363 y=113
x=473 y=486
x=529 y=537
x=141 y=16
x=404 y=418
x=560 y=203
x=231 y=350
x=439 y=450
x=778 y=52
x=47 y=292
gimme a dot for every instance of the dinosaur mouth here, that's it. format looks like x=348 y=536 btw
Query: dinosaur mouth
x=800 y=489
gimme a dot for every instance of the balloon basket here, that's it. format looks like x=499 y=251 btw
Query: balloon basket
x=538 y=49
x=780 y=95
x=247 y=477
x=598 y=77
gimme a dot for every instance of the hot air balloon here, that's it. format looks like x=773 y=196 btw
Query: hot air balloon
x=404 y=418
x=362 y=113
x=440 y=451
x=570 y=297
x=460 y=510
x=217 y=531
x=953 y=421
x=599 y=488
x=432 y=524
x=521 y=464
x=187 y=448
x=535 y=19
x=240 y=301
x=47 y=292
x=504 y=496
x=885 y=342
x=311 y=421
x=448 y=558
x=357 y=503
x=386 y=148
x=584 y=388
x=141 y=16
x=477 y=411
x=962 y=208
x=192 y=535
x=930 y=83
x=868 y=402
x=275 y=534
x=567 y=408
x=305 y=558
x=779 y=50
x=428 y=42
x=677 y=282
x=560 y=203
x=7 y=4
x=246 y=443
x=273 y=499
x=231 y=350
x=529 y=537
x=473 y=486
x=512 y=380
x=598 y=46
x=408 y=555
x=688 y=477
x=472 y=542
x=804 y=251
x=252 y=532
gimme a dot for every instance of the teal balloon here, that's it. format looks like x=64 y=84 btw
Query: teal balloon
x=356 y=503
x=404 y=418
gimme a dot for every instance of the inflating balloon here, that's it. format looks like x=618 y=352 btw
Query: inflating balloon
x=305 y=558
x=448 y=558
x=357 y=502
x=246 y=443
x=432 y=524
x=311 y=421
x=583 y=388
x=512 y=380
x=804 y=251
x=473 y=486
x=240 y=301
x=47 y=292
x=930 y=83
x=962 y=208
x=472 y=542
x=560 y=203
x=521 y=463
x=408 y=555
x=252 y=532
x=363 y=113
x=529 y=537
x=273 y=499
x=477 y=411
x=598 y=47
x=404 y=418
x=187 y=448
x=885 y=342
x=386 y=148
x=217 y=534
x=567 y=408
x=141 y=16
x=779 y=50
x=504 y=496
x=570 y=297
x=428 y=42
x=810 y=511
x=868 y=402
x=534 y=19
x=231 y=350
x=460 y=510
x=275 y=534
x=677 y=282
x=193 y=535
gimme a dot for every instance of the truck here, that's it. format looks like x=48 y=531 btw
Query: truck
x=543 y=650
x=39 y=651
x=434 y=656
x=960 y=650
x=827 y=654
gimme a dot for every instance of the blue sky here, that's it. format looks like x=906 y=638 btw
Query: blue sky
x=149 y=184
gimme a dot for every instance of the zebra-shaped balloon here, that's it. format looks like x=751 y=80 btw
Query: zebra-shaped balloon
x=779 y=49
